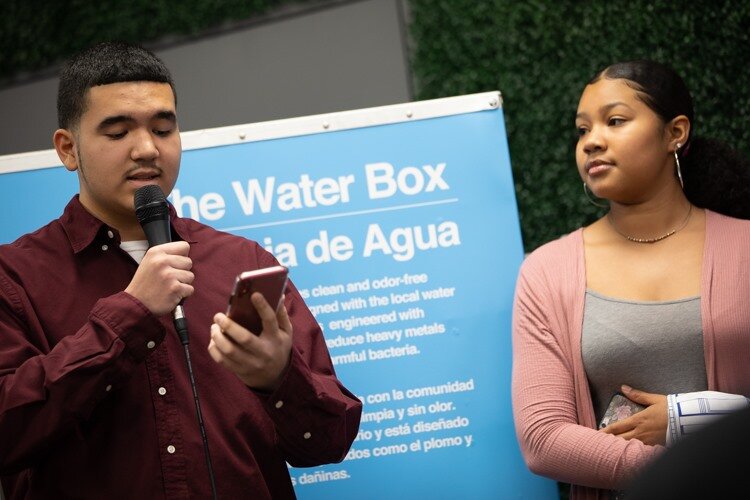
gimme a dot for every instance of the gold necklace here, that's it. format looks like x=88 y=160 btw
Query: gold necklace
x=650 y=240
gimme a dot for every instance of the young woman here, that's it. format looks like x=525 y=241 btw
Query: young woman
x=651 y=300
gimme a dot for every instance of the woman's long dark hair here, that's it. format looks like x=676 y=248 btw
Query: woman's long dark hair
x=716 y=176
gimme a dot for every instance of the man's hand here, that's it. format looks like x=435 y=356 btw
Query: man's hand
x=260 y=361
x=163 y=277
x=649 y=425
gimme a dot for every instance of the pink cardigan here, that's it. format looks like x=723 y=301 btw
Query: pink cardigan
x=552 y=407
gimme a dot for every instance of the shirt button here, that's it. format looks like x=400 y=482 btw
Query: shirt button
x=171 y=449
x=162 y=391
x=307 y=435
x=151 y=344
x=110 y=234
x=105 y=247
x=279 y=404
x=108 y=388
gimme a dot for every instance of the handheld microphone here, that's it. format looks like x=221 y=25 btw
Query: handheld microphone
x=152 y=211
x=153 y=214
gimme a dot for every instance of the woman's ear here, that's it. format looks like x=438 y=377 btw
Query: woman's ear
x=65 y=145
x=678 y=131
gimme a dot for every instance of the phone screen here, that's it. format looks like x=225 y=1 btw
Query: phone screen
x=270 y=282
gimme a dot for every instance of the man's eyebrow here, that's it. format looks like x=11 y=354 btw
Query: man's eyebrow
x=116 y=119
x=166 y=115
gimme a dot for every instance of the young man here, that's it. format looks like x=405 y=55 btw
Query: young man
x=95 y=399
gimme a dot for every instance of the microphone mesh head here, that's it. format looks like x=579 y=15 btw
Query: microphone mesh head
x=148 y=194
x=150 y=204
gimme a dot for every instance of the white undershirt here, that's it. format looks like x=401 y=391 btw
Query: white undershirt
x=136 y=249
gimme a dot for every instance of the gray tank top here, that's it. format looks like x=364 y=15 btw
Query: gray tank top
x=652 y=346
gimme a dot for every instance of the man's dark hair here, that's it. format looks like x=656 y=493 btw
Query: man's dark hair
x=102 y=64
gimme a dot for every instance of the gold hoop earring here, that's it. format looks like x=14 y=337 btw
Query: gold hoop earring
x=677 y=165
x=591 y=199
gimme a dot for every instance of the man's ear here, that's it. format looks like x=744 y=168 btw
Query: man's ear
x=65 y=145
x=679 y=131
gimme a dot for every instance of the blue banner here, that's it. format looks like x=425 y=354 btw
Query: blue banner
x=404 y=240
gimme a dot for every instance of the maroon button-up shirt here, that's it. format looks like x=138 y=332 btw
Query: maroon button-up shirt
x=95 y=400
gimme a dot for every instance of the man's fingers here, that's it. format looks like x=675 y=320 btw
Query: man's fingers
x=234 y=331
x=215 y=346
x=260 y=303
x=174 y=248
x=282 y=316
x=180 y=262
x=186 y=277
x=229 y=352
x=266 y=313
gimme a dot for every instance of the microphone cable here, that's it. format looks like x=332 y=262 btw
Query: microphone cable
x=152 y=212
x=183 y=332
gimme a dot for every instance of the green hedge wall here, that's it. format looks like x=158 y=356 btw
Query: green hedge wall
x=540 y=54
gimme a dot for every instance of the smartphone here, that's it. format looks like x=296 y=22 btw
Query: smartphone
x=270 y=282
x=619 y=408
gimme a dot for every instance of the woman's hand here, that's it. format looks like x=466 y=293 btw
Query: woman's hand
x=649 y=425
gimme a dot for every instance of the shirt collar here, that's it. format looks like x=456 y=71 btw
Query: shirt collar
x=82 y=228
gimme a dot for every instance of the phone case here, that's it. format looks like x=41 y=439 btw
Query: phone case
x=619 y=408
x=270 y=282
